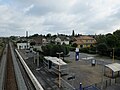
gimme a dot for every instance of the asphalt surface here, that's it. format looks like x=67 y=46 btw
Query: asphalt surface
x=100 y=60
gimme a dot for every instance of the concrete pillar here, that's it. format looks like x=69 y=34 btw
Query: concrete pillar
x=34 y=59
x=37 y=59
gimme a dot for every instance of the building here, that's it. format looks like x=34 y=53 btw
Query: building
x=84 y=41
x=39 y=41
x=23 y=45
x=62 y=40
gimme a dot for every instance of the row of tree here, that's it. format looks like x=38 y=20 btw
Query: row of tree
x=53 y=49
x=109 y=44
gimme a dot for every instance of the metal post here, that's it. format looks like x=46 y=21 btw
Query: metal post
x=59 y=78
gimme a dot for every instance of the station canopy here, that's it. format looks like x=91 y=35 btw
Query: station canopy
x=55 y=60
x=114 y=66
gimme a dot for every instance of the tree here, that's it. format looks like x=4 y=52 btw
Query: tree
x=102 y=48
x=111 y=41
x=117 y=34
x=48 y=35
x=32 y=43
x=75 y=45
x=35 y=35
x=52 y=49
x=101 y=39
x=73 y=33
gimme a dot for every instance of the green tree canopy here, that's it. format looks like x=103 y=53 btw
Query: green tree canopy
x=111 y=40
x=102 y=48
x=52 y=49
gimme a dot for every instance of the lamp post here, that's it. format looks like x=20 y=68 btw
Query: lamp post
x=113 y=55
x=59 y=78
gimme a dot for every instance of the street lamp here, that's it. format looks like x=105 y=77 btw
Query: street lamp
x=59 y=82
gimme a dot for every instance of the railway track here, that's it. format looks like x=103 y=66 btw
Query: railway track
x=48 y=79
x=10 y=80
x=12 y=74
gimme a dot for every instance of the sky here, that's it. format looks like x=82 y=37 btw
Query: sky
x=58 y=16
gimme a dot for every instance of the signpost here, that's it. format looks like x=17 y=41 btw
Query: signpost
x=77 y=54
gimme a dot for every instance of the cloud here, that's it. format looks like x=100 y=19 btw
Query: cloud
x=28 y=8
x=58 y=16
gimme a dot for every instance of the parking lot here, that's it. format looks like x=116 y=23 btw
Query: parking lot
x=83 y=70
x=84 y=73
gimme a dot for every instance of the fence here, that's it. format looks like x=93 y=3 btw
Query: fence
x=66 y=86
x=102 y=85
x=97 y=86
x=92 y=87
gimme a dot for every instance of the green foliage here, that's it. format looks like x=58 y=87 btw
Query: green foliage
x=32 y=43
x=74 y=45
x=117 y=34
x=101 y=39
x=102 y=48
x=72 y=48
x=111 y=41
x=92 y=50
x=84 y=50
x=117 y=51
x=106 y=43
x=52 y=49
x=48 y=35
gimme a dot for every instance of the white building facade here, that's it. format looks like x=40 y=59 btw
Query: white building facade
x=23 y=45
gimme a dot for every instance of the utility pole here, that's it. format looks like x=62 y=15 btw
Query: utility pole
x=59 y=78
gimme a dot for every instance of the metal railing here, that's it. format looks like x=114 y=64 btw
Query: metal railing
x=66 y=86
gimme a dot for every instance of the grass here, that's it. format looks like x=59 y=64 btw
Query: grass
x=1 y=48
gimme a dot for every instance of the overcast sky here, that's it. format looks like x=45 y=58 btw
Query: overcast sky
x=58 y=16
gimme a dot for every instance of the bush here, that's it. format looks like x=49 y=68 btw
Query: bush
x=84 y=50
x=74 y=45
x=72 y=48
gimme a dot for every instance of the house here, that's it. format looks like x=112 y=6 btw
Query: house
x=84 y=41
x=62 y=40
x=57 y=40
x=39 y=41
x=23 y=45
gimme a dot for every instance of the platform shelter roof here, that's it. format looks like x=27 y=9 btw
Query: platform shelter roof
x=55 y=60
x=115 y=67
